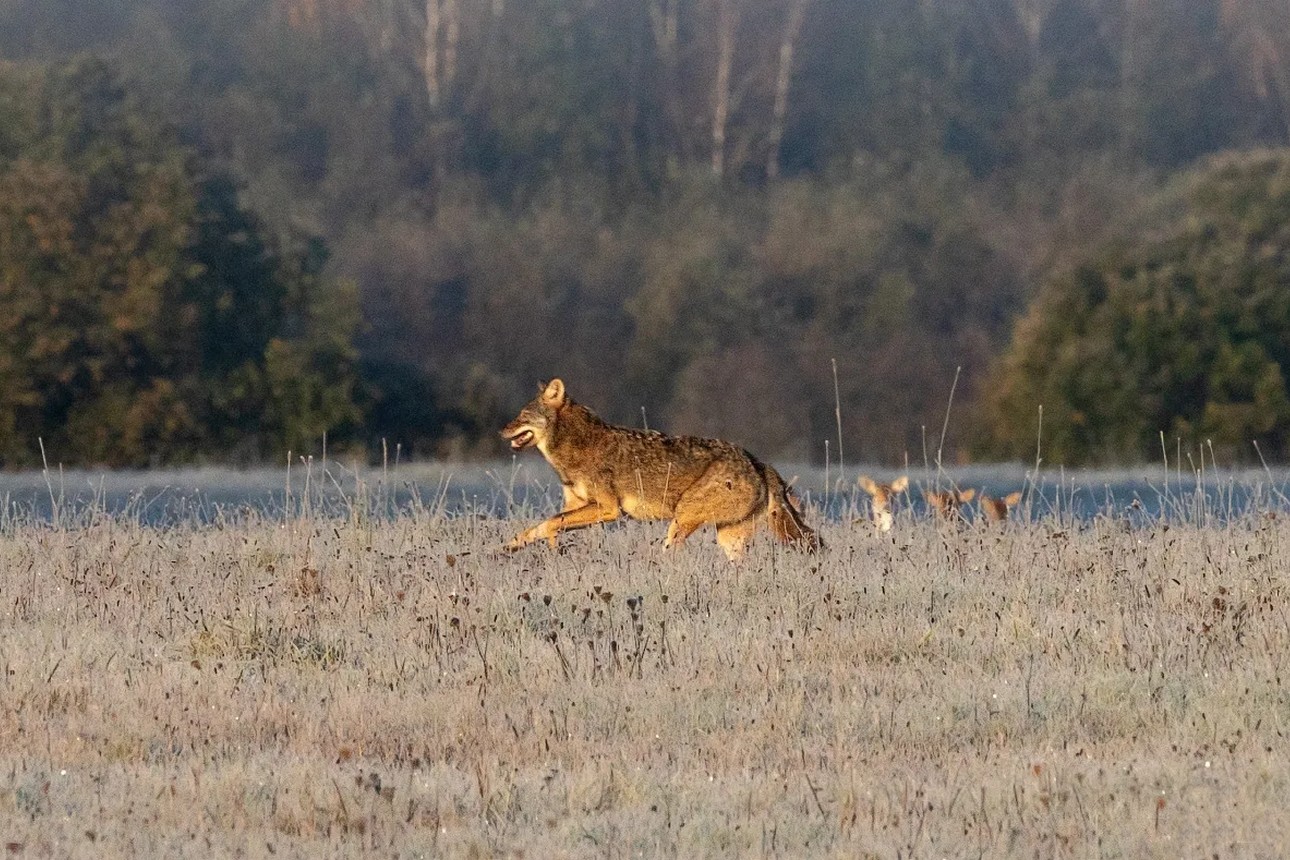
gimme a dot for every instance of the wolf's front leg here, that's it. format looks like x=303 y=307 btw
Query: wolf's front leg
x=521 y=540
x=572 y=501
x=587 y=515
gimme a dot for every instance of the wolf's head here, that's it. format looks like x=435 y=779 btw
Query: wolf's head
x=536 y=421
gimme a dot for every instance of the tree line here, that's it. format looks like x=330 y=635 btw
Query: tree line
x=234 y=226
x=147 y=314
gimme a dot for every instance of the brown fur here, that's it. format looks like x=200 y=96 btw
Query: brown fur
x=881 y=496
x=947 y=503
x=607 y=471
x=996 y=510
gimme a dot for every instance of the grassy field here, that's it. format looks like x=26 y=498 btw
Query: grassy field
x=311 y=686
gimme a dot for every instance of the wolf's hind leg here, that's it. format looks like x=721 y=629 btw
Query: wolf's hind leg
x=721 y=495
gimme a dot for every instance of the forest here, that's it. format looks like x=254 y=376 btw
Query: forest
x=231 y=229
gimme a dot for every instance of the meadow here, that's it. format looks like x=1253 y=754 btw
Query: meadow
x=335 y=680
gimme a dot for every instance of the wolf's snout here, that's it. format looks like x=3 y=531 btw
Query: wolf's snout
x=519 y=433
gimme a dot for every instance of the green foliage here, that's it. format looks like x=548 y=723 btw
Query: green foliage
x=146 y=316
x=1185 y=333
x=541 y=187
x=888 y=272
x=717 y=312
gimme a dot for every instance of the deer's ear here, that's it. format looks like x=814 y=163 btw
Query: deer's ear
x=1012 y=498
x=967 y=495
x=867 y=484
x=553 y=394
x=900 y=484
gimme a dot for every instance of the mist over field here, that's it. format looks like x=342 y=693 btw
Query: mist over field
x=525 y=484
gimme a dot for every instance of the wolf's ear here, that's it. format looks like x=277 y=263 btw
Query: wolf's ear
x=900 y=484
x=553 y=394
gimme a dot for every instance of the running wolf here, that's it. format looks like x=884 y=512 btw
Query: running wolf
x=608 y=471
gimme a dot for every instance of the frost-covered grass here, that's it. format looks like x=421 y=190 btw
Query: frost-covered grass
x=326 y=685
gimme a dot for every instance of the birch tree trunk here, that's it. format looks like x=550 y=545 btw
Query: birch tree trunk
x=663 y=22
x=727 y=25
x=783 y=80
x=1130 y=81
x=664 y=18
x=433 y=86
x=1259 y=40
x=386 y=26
x=451 y=35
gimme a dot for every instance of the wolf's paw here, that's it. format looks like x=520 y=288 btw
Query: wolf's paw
x=522 y=540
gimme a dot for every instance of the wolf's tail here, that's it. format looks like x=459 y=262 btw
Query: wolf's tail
x=785 y=519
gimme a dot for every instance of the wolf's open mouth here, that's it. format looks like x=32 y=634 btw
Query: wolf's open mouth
x=521 y=439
